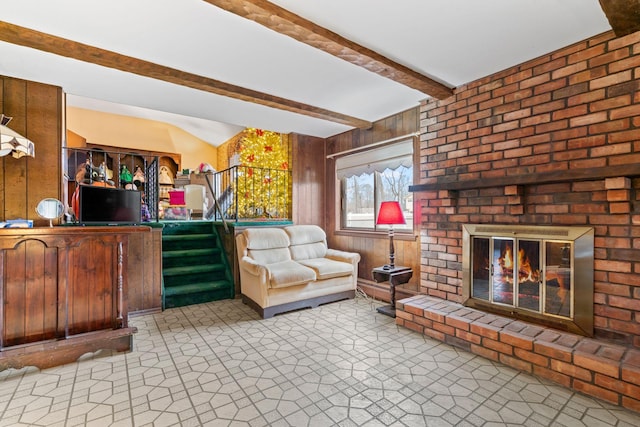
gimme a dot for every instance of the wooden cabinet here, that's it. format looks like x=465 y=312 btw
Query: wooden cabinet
x=63 y=293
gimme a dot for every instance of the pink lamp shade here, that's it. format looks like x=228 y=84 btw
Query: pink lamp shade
x=390 y=213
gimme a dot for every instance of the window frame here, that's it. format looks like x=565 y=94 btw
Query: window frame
x=400 y=233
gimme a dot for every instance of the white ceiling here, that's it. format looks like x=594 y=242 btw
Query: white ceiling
x=452 y=41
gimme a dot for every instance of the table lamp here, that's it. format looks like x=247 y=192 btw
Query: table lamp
x=390 y=214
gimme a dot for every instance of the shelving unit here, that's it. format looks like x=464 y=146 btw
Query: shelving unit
x=109 y=162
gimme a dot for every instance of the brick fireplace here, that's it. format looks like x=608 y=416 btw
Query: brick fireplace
x=551 y=142
x=540 y=274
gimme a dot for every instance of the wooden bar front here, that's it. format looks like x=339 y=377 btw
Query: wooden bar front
x=63 y=293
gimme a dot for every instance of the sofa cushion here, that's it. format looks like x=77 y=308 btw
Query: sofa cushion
x=267 y=245
x=307 y=241
x=308 y=251
x=266 y=238
x=326 y=268
x=289 y=273
x=269 y=256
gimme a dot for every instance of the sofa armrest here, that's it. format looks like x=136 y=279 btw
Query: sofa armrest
x=337 y=255
x=253 y=268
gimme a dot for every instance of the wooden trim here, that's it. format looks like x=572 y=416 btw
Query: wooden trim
x=176 y=157
x=572 y=175
x=59 y=352
x=623 y=15
x=285 y=22
x=68 y=48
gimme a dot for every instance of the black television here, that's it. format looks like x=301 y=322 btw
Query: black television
x=104 y=205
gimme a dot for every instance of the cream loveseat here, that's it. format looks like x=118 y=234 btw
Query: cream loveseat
x=284 y=269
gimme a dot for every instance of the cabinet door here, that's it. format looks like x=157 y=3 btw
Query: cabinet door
x=144 y=272
x=92 y=284
x=29 y=288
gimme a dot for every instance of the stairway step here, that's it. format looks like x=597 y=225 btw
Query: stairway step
x=193 y=288
x=180 y=237
x=187 y=257
x=176 y=242
x=182 y=253
x=192 y=269
x=187 y=227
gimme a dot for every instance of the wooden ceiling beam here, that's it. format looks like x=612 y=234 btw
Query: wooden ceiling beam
x=623 y=15
x=285 y=22
x=71 y=49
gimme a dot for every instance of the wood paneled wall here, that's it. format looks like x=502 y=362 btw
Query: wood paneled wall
x=372 y=247
x=308 y=177
x=38 y=113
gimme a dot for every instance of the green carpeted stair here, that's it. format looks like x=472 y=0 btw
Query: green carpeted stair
x=194 y=266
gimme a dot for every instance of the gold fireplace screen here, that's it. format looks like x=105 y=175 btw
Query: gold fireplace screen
x=536 y=273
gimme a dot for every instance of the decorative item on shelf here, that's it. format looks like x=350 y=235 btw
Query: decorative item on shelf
x=11 y=142
x=89 y=174
x=105 y=171
x=125 y=174
x=138 y=177
x=164 y=192
x=390 y=214
x=165 y=176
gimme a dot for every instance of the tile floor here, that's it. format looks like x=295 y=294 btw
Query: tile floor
x=341 y=364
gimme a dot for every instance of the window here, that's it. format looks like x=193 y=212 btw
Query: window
x=371 y=177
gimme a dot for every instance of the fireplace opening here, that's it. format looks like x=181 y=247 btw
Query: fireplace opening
x=536 y=273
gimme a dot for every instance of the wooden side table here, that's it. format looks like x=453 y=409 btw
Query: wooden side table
x=395 y=276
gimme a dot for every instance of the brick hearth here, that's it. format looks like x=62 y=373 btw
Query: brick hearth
x=608 y=371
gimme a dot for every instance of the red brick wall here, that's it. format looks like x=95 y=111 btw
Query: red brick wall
x=573 y=113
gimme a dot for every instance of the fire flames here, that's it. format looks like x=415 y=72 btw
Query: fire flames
x=504 y=271
x=507 y=259
x=526 y=273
